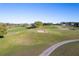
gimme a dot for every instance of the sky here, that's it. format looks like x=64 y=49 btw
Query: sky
x=45 y=12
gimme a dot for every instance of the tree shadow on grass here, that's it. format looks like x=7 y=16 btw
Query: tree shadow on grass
x=1 y=36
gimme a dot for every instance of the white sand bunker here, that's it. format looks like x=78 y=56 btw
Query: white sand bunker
x=42 y=31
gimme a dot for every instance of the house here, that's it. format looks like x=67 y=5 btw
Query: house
x=75 y=24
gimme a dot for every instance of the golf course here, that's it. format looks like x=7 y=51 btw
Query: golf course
x=20 y=41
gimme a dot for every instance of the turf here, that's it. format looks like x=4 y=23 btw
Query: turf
x=22 y=41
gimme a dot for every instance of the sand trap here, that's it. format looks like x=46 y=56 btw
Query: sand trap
x=42 y=31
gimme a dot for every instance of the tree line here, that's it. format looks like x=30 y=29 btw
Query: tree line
x=4 y=26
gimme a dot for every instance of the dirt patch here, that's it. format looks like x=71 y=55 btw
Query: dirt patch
x=22 y=40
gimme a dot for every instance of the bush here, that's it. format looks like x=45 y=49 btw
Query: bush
x=3 y=30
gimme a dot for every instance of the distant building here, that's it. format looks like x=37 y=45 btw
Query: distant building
x=75 y=24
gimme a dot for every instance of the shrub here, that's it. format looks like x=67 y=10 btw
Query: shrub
x=3 y=30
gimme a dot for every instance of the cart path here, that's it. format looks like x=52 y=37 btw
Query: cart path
x=52 y=48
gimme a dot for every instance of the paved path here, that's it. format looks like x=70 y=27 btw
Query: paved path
x=51 y=49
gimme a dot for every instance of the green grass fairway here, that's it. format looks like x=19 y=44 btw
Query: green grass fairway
x=70 y=49
x=22 y=41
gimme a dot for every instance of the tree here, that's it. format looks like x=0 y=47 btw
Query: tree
x=3 y=30
x=48 y=24
x=38 y=24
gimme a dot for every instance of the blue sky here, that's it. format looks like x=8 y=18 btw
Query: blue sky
x=45 y=12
